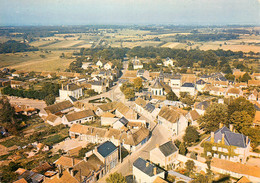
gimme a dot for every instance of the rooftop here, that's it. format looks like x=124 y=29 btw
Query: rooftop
x=79 y=115
x=168 y=148
x=106 y=148
x=141 y=164
x=58 y=107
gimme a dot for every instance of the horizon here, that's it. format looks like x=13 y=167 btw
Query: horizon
x=129 y=12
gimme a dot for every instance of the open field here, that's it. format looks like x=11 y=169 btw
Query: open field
x=33 y=61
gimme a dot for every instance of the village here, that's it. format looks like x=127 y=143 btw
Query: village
x=147 y=125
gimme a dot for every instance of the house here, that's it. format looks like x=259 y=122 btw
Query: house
x=107 y=152
x=144 y=171
x=253 y=82
x=61 y=107
x=139 y=105
x=124 y=111
x=256 y=121
x=64 y=176
x=201 y=107
x=228 y=145
x=137 y=63
x=120 y=123
x=99 y=64
x=108 y=66
x=107 y=119
x=256 y=76
x=108 y=107
x=168 y=62
x=150 y=111
x=66 y=162
x=78 y=117
x=234 y=92
x=214 y=90
x=194 y=116
x=179 y=177
x=86 y=65
x=70 y=90
x=159 y=88
x=173 y=119
x=200 y=84
x=5 y=82
x=98 y=86
x=53 y=120
x=17 y=84
x=165 y=154
x=188 y=88
x=30 y=176
x=254 y=96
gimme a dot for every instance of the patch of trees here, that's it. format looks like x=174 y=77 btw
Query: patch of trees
x=205 y=37
x=13 y=46
x=237 y=31
x=128 y=90
x=48 y=92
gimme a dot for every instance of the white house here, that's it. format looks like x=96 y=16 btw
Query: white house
x=144 y=171
x=234 y=92
x=99 y=63
x=108 y=66
x=173 y=119
x=137 y=64
x=53 y=120
x=168 y=62
x=70 y=90
x=188 y=88
x=78 y=117
x=200 y=84
x=107 y=119
x=120 y=123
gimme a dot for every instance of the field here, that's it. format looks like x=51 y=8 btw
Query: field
x=32 y=61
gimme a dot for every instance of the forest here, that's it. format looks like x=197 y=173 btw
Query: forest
x=13 y=46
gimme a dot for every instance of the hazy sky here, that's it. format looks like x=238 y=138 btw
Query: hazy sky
x=83 y=12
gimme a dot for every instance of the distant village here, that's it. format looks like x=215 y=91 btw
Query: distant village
x=134 y=121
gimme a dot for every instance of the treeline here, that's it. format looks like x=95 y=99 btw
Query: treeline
x=205 y=37
x=13 y=46
x=47 y=90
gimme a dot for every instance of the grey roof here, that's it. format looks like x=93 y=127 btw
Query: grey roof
x=141 y=71
x=31 y=176
x=157 y=84
x=149 y=107
x=143 y=78
x=106 y=148
x=168 y=148
x=140 y=163
x=230 y=138
x=98 y=83
x=176 y=174
x=206 y=104
x=256 y=107
x=188 y=85
x=123 y=120
x=176 y=77
x=73 y=99
x=200 y=82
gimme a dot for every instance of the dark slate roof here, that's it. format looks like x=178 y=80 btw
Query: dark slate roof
x=141 y=71
x=204 y=76
x=106 y=148
x=73 y=99
x=206 y=104
x=200 y=82
x=168 y=148
x=149 y=107
x=99 y=83
x=231 y=138
x=256 y=107
x=188 y=85
x=140 y=163
x=157 y=84
x=176 y=174
x=124 y=121
x=143 y=78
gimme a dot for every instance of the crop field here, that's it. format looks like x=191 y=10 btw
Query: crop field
x=34 y=62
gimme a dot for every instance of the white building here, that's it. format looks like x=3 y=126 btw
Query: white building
x=188 y=88
x=70 y=90
x=144 y=171
x=78 y=117
x=108 y=66
x=168 y=62
x=99 y=63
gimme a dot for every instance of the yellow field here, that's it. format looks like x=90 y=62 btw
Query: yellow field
x=33 y=62
x=171 y=44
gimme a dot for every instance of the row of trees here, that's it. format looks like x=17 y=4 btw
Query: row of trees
x=13 y=46
x=205 y=37
x=48 y=92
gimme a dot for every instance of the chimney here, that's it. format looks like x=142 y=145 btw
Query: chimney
x=223 y=138
x=220 y=125
x=202 y=107
x=71 y=171
x=147 y=164
x=247 y=140
x=62 y=87
x=212 y=137
x=154 y=171
x=157 y=145
x=231 y=127
x=60 y=171
x=195 y=104
x=73 y=162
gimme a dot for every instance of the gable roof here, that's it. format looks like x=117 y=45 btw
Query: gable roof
x=169 y=114
x=65 y=178
x=71 y=87
x=20 y=181
x=141 y=164
x=108 y=115
x=233 y=91
x=67 y=161
x=157 y=84
x=168 y=148
x=141 y=102
x=79 y=115
x=51 y=117
x=106 y=148
x=200 y=82
x=149 y=107
x=55 y=108
x=230 y=138
x=194 y=115
x=191 y=85
x=123 y=120
x=108 y=106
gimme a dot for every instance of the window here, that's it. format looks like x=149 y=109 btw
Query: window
x=214 y=148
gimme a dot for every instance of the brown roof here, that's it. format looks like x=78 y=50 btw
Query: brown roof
x=20 y=171
x=257 y=117
x=169 y=114
x=234 y=91
x=71 y=87
x=240 y=84
x=254 y=82
x=108 y=115
x=159 y=180
x=20 y=181
x=42 y=167
x=129 y=74
x=55 y=108
x=67 y=161
x=51 y=117
x=194 y=115
x=126 y=111
x=79 y=115
x=140 y=102
x=108 y=106
x=166 y=87
x=74 y=151
x=65 y=178
x=188 y=78
x=243 y=180
x=237 y=74
x=236 y=167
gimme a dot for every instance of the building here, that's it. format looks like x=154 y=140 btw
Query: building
x=144 y=171
x=228 y=145
x=108 y=66
x=188 y=88
x=98 y=86
x=61 y=107
x=168 y=62
x=139 y=105
x=107 y=152
x=70 y=90
x=99 y=64
x=173 y=119
x=234 y=92
x=137 y=63
x=165 y=154
x=78 y=117
x=53 y=120
x=120 y=123
x=159 y=88
x=200 y=84
x=107 y=119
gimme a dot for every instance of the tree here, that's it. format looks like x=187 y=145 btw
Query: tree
x=200 y=179
x=116 y=178
x=129 y=93
x=50 y=99
x=182 y=149
x=245 y=77
x=138 y=83
x=130 y=66
x=189 y=165
x=230 y=77
x=241 y=120
x=241 y=104
x=191 y=135
x=214 y=115
x=172 y=96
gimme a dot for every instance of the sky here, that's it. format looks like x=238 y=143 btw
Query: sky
x=143 y=12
